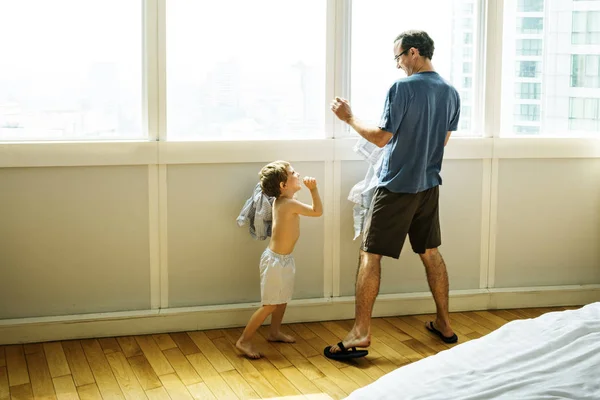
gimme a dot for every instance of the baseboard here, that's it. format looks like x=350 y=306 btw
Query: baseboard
x=29 y=330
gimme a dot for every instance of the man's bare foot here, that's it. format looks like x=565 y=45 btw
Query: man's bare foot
x=247 y=349
x=445 y=333
x=441 y=327
x=281 y=337
x=352 y=340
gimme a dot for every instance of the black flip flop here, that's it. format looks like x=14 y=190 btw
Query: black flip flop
x=344 y=354
x=446 y=339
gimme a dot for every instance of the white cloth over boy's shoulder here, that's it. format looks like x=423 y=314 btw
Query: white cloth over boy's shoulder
x=257 y=213
x=362 y=193
x=277 y=276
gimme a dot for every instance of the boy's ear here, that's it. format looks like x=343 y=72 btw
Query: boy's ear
x=282 y=185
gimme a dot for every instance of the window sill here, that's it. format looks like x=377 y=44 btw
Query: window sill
x=59 y=154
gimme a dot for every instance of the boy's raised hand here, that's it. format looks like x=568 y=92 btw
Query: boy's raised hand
x=310 y=182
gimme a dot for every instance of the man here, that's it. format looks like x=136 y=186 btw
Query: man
x=419 y=115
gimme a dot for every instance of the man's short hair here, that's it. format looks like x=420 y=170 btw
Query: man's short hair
x=419 y=40
x=271 y=176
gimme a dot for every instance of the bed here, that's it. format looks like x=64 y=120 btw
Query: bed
x=554 y=356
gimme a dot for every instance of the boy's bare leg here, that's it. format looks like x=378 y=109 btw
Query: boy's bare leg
x=437 y=277
x=275 y=334
x=244 y=343
x=367 y=288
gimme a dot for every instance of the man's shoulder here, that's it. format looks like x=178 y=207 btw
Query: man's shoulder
x=449 y=84
x=402 y=85
x=402 y=82
x=409 y=83
x=453 y=91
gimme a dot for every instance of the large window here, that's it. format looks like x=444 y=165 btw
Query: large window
x=527 y=112
x=79 y=70
x=529 y=69
x=584 y=114
x=586 y=27
x=529 y=47
x=585 y=71
x=376 y=24
x=528 y=25
x=70 y=70
x=241 y=69
x=467 y=67
x=528 y=90
x=530 y=5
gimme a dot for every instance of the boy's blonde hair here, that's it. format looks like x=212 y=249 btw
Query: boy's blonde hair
x=271 y=176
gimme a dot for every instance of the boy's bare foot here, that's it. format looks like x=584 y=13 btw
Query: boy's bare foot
x=247 y=349
x=281 y=337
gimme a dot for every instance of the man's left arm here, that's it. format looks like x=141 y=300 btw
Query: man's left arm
x=373 y=134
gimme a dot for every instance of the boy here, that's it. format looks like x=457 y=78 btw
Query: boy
x=277 y=270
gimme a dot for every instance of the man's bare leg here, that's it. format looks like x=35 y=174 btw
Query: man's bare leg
x=367 y=288
x=275 y=334
x=437 y=277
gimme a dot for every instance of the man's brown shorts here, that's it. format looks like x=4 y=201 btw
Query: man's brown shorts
x=394 y=215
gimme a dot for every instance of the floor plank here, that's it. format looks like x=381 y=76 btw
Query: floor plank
x=41 y=381
x=110 y=345
x=505 y=314
x=185 y=343
x=125 y=376
x=164 y=341
x=57 y=361
x=78 y=364
x=299 y=361
x=328 y=386
x=154 y=355
x=211 y=377
x=333 y=373
x=158 y=393
x=16 y=366
x=209 y=350
x=64 y=388
x=175 y=388
x=21 y=392
x=144 y=372
x=299 y=380
x=31 y=348
x=129 y=346
x=105 y=379
x=239 y=385
x=182 y=366
x=89 y=392
x=4 y=388
x=200 y=391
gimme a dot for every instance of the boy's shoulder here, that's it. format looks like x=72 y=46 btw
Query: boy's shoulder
x=286 y=204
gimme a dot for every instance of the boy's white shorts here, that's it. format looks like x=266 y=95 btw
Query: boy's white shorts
x=277 y=273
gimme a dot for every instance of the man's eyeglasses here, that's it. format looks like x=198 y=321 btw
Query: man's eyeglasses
x=396 y=58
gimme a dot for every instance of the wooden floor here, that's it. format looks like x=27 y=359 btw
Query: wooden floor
x=206 y=365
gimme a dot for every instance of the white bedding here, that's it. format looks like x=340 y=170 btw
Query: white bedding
x=554 y=356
